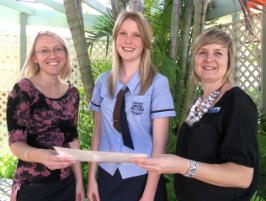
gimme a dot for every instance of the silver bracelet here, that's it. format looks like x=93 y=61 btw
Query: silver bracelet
x=192 y=170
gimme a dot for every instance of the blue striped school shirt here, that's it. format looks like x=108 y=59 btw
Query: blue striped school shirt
x=157 y=102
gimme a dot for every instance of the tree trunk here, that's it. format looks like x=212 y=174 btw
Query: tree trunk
x=200 y=8
x=75 y=21
x=121 y=5
x=174 y=29
x=199 y=17
x=135 y=5
x=182 y=77
x=114 y=9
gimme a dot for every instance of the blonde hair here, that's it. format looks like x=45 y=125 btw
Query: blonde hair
x=211 y=36
x=147 y=71
x=31 y=68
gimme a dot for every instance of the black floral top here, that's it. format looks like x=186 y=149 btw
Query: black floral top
x=41 y=122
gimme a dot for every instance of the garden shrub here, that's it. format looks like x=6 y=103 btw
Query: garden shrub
x=8 y=164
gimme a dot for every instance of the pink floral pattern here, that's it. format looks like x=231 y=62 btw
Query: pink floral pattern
x=41 y=122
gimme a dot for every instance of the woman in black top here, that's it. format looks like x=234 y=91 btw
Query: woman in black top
x=217 y=151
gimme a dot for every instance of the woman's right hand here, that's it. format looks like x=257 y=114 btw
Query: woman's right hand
x=53 y=161
x=92 y=190
x=163 y=163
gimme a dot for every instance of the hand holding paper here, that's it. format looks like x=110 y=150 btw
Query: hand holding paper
x=97 y=156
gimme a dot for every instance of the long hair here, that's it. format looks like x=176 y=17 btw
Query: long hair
x=31 y=68
x=211 y=36
x=147 y=71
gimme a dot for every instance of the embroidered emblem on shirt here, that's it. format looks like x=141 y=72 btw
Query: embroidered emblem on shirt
x=137 y=108
x=214 y=110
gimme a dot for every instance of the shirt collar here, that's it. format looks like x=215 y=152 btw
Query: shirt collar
x=132 y=83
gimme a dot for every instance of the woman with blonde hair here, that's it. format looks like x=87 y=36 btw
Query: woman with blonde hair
x=132 y=105
x=217 y=153
x=42 y=112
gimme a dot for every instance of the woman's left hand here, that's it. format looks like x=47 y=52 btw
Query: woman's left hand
x=53 y=161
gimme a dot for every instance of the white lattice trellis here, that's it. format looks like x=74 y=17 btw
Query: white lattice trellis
x=248 y=65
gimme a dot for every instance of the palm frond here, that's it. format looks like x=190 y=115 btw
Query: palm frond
x=261 y=190
x=102 y=30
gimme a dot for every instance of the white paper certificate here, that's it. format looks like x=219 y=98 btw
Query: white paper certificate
x=97 y=156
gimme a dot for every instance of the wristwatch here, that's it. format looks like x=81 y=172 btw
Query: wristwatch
x=192 y=170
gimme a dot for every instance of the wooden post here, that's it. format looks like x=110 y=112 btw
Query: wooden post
x=236 y=35
x=23 y=38
x=263 y=67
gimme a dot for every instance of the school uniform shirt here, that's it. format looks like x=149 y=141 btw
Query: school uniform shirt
x=157 y=102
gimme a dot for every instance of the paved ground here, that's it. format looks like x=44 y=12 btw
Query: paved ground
x=5 y=189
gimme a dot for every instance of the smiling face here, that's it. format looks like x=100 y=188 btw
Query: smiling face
x=211 y=63
x=129 y=42
x=50 y=55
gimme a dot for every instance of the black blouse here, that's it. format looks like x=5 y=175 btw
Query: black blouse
x=227 y=133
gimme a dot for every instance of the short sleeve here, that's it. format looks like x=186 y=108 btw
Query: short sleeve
x=162 y=101
x=96 y=100
x=18 y=114
x=240 y=140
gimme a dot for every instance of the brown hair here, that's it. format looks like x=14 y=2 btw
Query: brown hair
x=147 y=70
x=31 y=68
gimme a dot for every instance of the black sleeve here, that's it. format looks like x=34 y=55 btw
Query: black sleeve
x=240 y=138
x=18 y=114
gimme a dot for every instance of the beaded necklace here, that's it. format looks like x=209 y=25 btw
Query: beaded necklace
x=201 y=106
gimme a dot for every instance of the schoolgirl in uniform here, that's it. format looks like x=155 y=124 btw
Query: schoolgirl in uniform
x=147 y=105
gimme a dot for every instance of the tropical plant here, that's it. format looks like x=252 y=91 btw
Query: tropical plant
x=100 y=66
x=85 y=129
x=8 y=163
x=101 y=30
x=261 y=191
